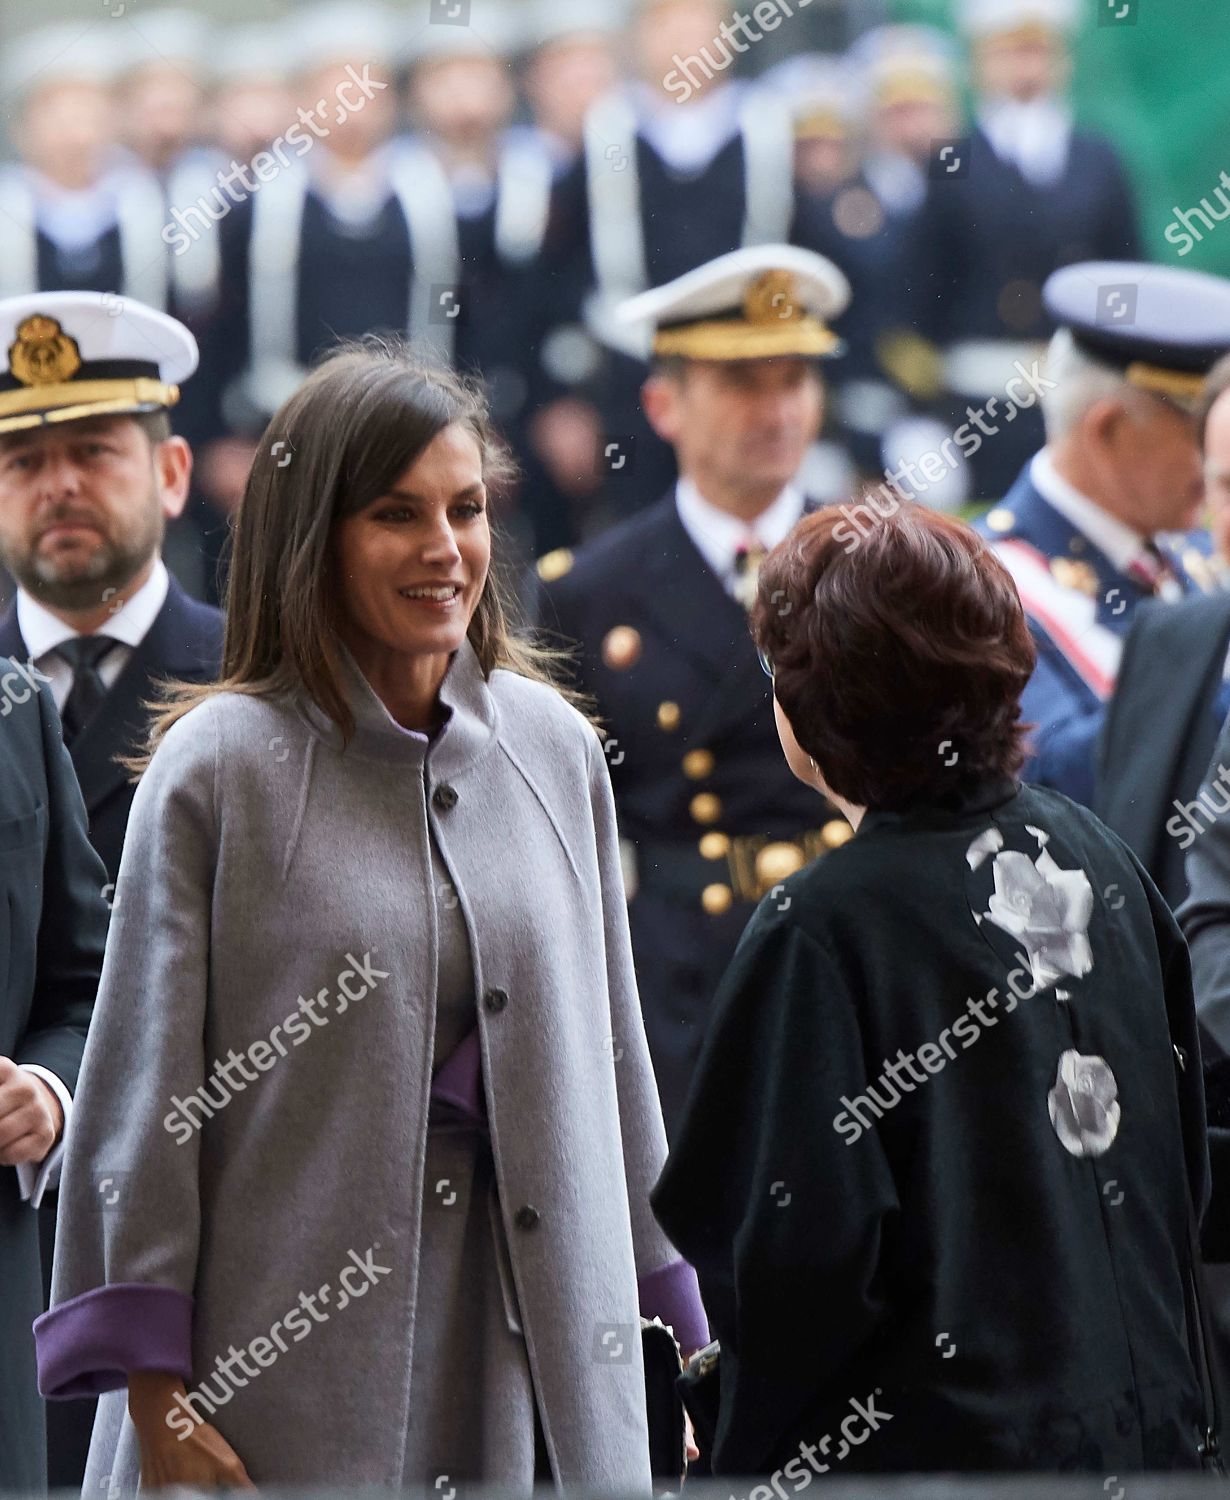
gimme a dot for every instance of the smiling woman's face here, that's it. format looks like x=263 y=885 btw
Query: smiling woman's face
x=411 y=566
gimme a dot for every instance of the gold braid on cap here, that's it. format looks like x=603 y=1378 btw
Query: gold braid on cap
x=773 y=323
x=1181 y=385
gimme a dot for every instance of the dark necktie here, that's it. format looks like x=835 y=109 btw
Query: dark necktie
x=1152 y=568
x=84 y=654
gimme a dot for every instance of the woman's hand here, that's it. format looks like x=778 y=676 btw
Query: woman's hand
x=182 y=1453
x=691 y=1451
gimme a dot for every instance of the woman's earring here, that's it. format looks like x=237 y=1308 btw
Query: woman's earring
x=815 y=769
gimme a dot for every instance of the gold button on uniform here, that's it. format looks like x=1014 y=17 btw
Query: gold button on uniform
x=668 y=716
x=716 y=899
x=715 y=845
x=836 y=832
x=776 y=861
x=1001 y=519
x=697 y=764
x=705 y=807
x=555 y=564
x=621 y=648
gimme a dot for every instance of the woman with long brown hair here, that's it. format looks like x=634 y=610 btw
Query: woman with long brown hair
x=358 y=1186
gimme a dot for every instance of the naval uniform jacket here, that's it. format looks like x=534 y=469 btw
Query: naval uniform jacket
x=991 y=1244
x=706 y=800
x=1080 y=607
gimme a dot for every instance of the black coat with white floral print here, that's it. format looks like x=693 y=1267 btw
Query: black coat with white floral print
x=938 y=1152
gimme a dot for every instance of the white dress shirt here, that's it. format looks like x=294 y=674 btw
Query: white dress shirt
x=1120 y=542
x=718 y=536
x=688 y=136
x=43 y=632
x=1035 y=136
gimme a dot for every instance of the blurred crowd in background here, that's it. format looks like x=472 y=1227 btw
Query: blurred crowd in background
x=492 y=177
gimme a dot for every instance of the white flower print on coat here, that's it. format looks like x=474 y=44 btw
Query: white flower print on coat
x=1047 y=908
x=1084 y=1104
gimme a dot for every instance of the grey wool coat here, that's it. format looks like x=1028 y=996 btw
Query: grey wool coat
x=262 y=864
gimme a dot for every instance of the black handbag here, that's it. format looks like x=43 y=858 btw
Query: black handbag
x=700 y=1387
x=663 y=1405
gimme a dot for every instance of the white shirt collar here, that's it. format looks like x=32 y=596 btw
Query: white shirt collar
x=43 y=632
x=688 y=137
x=1115 y=538
x=1036 y=135
x=717 y=535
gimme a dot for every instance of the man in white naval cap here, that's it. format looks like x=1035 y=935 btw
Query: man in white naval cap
x=1023 y=194
x=658 y=605
x=89 y=475
x=681 y=164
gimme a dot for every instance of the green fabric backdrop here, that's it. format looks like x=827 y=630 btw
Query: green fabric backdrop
x=1158 y=84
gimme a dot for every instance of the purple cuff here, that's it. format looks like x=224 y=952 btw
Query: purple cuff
x=90 y=1343
x=672 y=1294
x=458 y=1082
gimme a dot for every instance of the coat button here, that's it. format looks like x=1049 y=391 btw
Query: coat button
x=444 y=797
x=495 y=999
x=526 y=1217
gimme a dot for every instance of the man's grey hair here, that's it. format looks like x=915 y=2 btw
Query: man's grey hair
x=1081 y=381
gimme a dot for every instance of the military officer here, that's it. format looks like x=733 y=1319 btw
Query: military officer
x=711 y=819
x=1023 y=194
x=1100 y=519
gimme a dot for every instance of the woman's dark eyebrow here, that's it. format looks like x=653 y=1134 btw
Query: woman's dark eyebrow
x=470 y=491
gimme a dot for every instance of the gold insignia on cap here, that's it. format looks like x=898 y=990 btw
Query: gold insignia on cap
x=621 y=648
x=1071 y=574
x=773 y=298
x=43 y=354
x=668 y=716
x=1001 y=519
x=553 y=565
x=697 y=764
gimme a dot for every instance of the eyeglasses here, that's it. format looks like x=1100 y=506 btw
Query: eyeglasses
x=766 y=665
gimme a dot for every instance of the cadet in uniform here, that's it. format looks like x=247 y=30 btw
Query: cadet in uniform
x=711 y=817
x=1100 y=519
x=679 y=166
x=1023 y=194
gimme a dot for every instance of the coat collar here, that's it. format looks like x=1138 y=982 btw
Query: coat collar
x=969 y=802
x=468 y=732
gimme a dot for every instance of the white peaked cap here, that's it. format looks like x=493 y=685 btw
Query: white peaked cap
x=760 y=302
x=65 y=355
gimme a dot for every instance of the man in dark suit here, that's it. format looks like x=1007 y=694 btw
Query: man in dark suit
x=711 y=817
x=51 y=947
x=1173 y=692
x=89 y=476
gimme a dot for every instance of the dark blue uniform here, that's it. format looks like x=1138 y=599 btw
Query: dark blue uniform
x=985 y=242
x=714 y=817
x=1080 y=608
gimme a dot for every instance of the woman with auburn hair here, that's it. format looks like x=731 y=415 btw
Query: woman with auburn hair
x=936 y=1164
x=366 y=1127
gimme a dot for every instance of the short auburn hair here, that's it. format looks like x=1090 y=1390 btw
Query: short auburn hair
x=899 y=653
